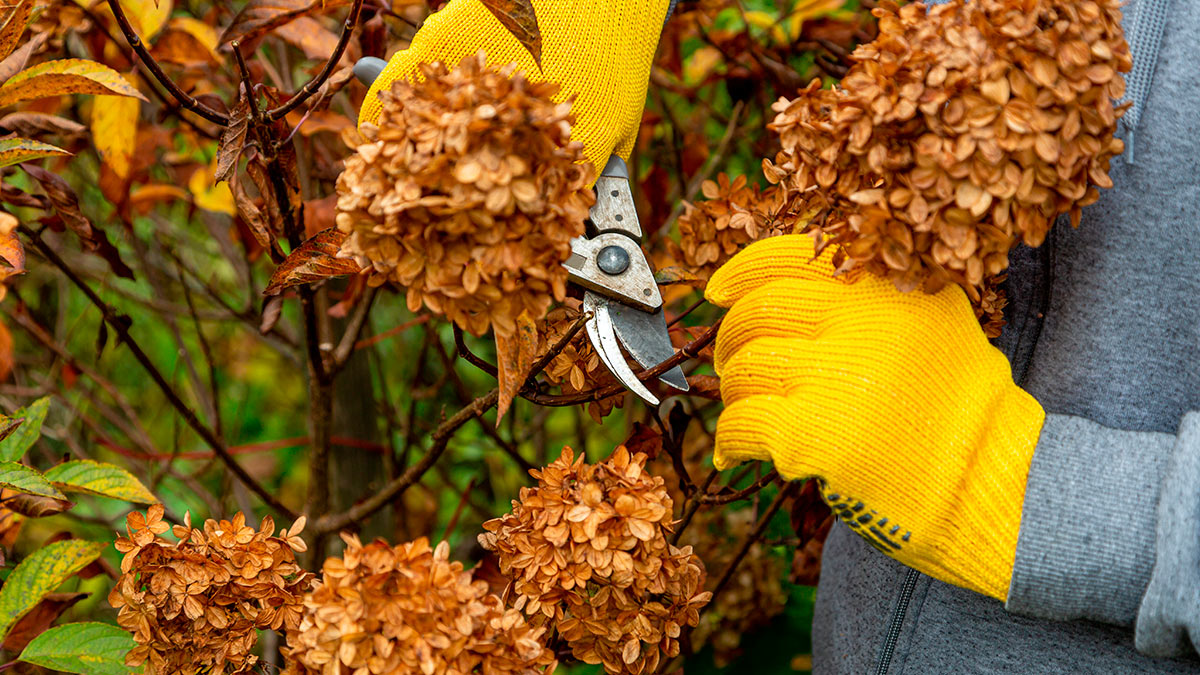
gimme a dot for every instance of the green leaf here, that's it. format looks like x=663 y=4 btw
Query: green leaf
x=21 y=478
x=17 y=150
x=65 y=76
x=41 y=573
x=88 y=648
x=19 y=441
x=98 y=478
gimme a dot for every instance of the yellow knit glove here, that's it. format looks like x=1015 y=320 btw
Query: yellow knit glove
x=598 y=50
x=896 y=401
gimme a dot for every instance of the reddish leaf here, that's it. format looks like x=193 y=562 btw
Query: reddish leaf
x=315 y=260
x=6 y=352
x=520 y=19
x=11 y=250
x=39 y=619
x=645 y=439
x=319 y=214
x=260 y=17
x=514 y=358
x=251 y=216
x=66 y=205
x=705 y=386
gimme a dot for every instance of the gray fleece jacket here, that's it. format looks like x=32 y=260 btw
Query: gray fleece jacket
x=1104 y=330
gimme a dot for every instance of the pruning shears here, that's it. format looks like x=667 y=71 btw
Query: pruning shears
x=607 y=261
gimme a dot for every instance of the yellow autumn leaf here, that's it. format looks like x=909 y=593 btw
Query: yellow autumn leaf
x=204 y=33
x=147 y=16
x=65 y=76
x=210 y=195
x=17 y=150
x=760 y=19
x=809 y=9
x=114 y=130
x=15 y=18
x=701 y=63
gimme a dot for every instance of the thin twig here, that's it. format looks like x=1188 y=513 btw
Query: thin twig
x=464 y=351
x=189 y=416
x=739 y=495
x=689 y=510
x=395 y=330
x=462 y=501
x=315 y=83
x=786 y=492
x=441 y=438
x=347 y=345
x=156 y=70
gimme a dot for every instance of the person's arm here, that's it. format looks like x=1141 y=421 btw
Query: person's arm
x=1110 y=531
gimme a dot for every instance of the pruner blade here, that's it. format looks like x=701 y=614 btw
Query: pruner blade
x=603 y=336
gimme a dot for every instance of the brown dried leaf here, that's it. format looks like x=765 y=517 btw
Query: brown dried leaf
x=519 y=17
x=260 y=17
x=316 y=41
x=233 y=139
x=35 y=506
x=14 y=62
x=705 y=386
x=315 y=260
x=66 y=205
x=31 y=123
x=39 y=619
x=515 y=354
x=249 y=211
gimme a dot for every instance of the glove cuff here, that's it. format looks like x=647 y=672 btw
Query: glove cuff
x=982 y=535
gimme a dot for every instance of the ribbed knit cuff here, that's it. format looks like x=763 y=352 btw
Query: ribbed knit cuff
x=1168 y=622
x=1086 y=543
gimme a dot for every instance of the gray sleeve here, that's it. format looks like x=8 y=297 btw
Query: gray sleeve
x=1110 y=531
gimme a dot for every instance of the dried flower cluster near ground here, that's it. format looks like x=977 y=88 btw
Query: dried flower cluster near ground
x=410 y=609
x=199 y=603
x=588 y=553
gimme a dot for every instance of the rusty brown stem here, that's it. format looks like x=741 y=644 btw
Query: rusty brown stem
x=122 y=329
x=156 y=70
x=314 y=84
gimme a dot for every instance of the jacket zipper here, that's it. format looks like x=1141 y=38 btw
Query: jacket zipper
x=893 y=634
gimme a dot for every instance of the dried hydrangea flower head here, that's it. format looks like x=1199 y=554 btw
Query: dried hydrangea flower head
x=196 y=605
x=406 y=610
x=588 y=553
x=956 y=133
x=468 y=194
x=733 y=215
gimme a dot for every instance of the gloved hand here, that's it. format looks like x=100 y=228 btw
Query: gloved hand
x=896 y=401
x=598 y=50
